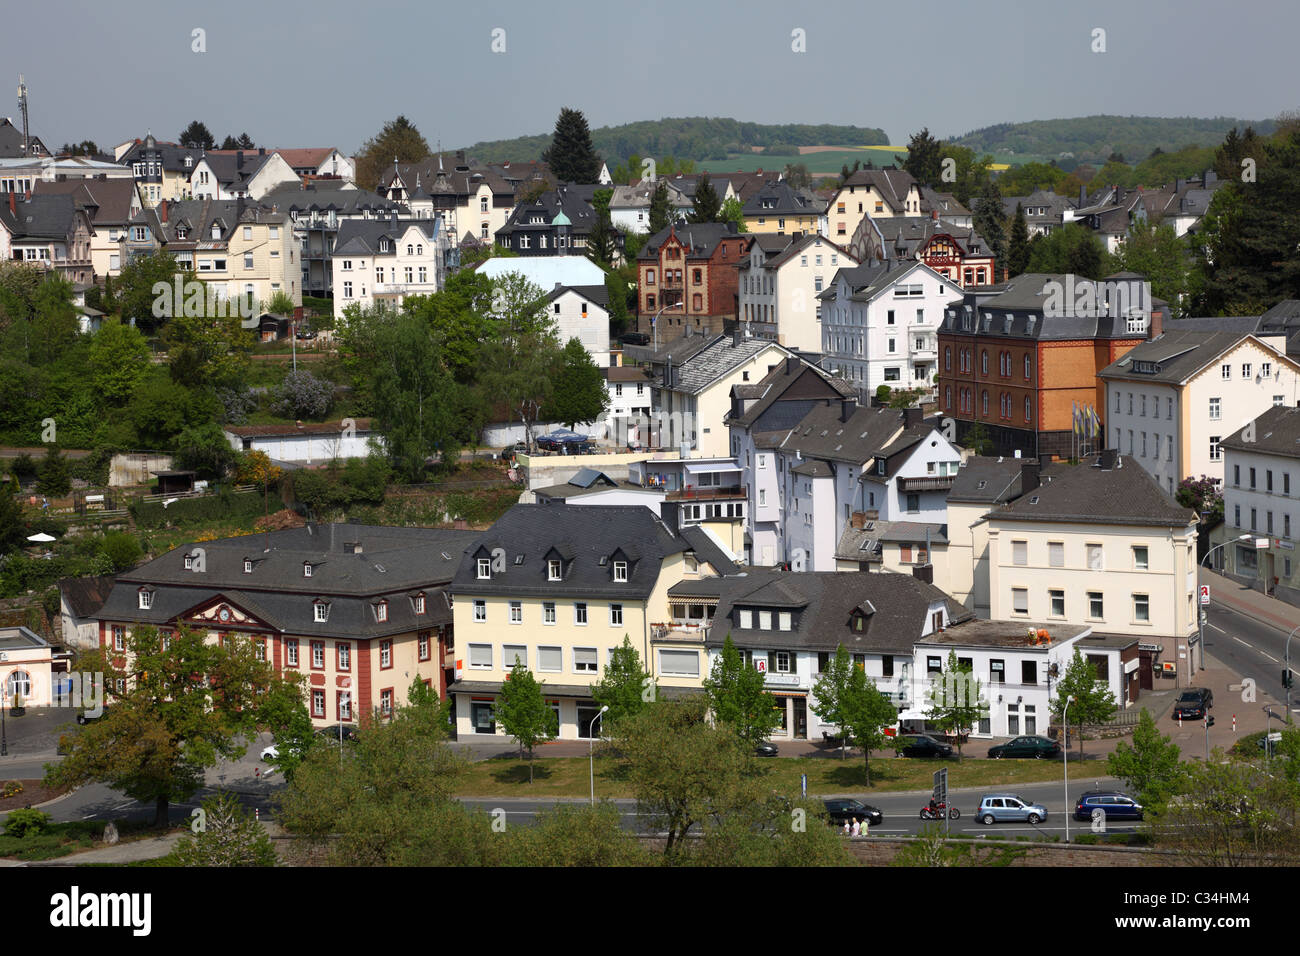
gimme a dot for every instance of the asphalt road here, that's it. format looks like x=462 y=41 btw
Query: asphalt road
x=1253 y=650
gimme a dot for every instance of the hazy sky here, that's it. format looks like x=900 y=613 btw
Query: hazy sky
x=330 y=73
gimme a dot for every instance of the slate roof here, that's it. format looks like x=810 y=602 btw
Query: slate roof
x=868 y=280
x=225 y=164
x=1024 y=298
x=986 y=480
x=360 y=237
x=1125 y=494
x=573 y=201
x=198 y=215
x=902 y=236
x=41 y=217
x=598 y=294
x=87 y=595
x=530 y=535
x=1277 y=432
x=863 y=544
x=892 y=185
x=395 y=563
x=111 y=199
x=322 y=197
x=945 y=204
x=774 y=384
x=1175 y=356
x=700 y=239
x=822 y=435
x=173 y=154
x=897 y=609
x=721 y=356
x=784 y=201
x=799 y=245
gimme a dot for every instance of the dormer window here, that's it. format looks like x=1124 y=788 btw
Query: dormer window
x=306 y=569
x=189 y=161
x=146 y=599
x=189 y=562
x=620 y=570
x=383 y=245
x=553 y=570
x=181 y=232
x=216 y=230
x=381 y=612
x=419 y=604
x=484 y=568
x=322 y=611
x=248 y=566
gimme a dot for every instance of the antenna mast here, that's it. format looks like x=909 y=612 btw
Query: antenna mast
x=22 y=106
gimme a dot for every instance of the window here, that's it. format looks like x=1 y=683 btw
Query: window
x=1245 y=370
x=620 y=570
x=1141 y=608
x=1216 y=406
x=322 y=612
x=584 y=660
x=1216 y=453
x=1056 y=554
x=119 y=637
x=146 y=600
x=548 y=612
x=484 y=568
x=679 y=663
x=419 y=604
x=516 y=612
x=343 y=656
x=381 y=612
x=512 y=654
x=553 y=570
x=1226 y=371
x=1140 y=557
x=318 y=703
x=480 y=611
x=1096 y=607
x=386 y=654
x=306 y=569
x=1019 y=601
x=1058 y=602
x=1096 y=559
x=480 y=657
x=423 y=645
x=1020 y=553
x=550 y=659
x=580 y=613
x=386 y=702
x=318 y=655
x=291 y=651
x=1029 y=672
x=997 y=672
x=1028 y=368
x=615 y=615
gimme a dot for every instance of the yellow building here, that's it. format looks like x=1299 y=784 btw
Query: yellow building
x=777 y=208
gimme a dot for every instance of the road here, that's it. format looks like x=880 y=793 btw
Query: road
x=1251 y=649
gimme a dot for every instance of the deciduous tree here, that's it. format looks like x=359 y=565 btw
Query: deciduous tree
x=738 y=696
x=579 y=391
x=1149 y=766
x=1094 y=703
x=625 y=689
x=398 y=141
x=524 y=713
x=956 y=700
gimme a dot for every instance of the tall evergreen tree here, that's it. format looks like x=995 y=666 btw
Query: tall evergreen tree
x=246 y=142
x=660 y=213
x=579 y=391
x=571 y=156
x=1018 y=246
x=708 y=207
x=924 y=158
x=989 y=223
x=196 y=136
x=602 y=242
x=230 y=143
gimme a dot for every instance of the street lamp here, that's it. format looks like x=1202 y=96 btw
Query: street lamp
x=654 y=322
x=1201 y=616
x=1286 y=678
x=591 y=744
x=4 y=739
x=1065 y=762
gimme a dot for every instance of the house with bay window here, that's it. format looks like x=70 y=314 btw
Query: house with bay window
x=558 y=587
x=361 y=611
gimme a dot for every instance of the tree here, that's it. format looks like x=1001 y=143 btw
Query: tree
x=205 y=449
x=1018 y=245
x=119 y=359
x=207 y=351
x=579 y=392
x=708 y=206
x=660 y=212
x=626 y=687
x=186 y=705
x=602 y=242
x=399 y=141
x=989 y=223
x=772 y=831
x=255 y=468
x=522 y=350
x=733 y=211
x=197 y=136
x=54 y=480
x=1094 y=703
x=1203 y=495
x=303 y=395
x=924 y=158
x=868 y=713
x=230 y=836
x=580 y=835
x=1149 y=767
x=1156 y=252
x=683 y=771
x=571 y=156
x=1068 y=249
x=738 y=697
x=833 y=691
x=134 y=288
x=1235 y=148
x=230 y=143
x=977 y=439
x=524 y=713
x=13 y=530
x=121 y=549
x=956 y=700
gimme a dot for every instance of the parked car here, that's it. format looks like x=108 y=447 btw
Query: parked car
x=1009 y=807
x=85 y=717
x=335 y=732
x=766 y=749
x=1194 y=703
x=270 y=753
x=1113 y=803
x=305 y=334
x=635 y=338
x=923 y=745
x=847 y=810
x=1032 y=746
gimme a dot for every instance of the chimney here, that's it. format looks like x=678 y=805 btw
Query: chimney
x=737 y=335
x=1083 y=196
x=1043 y=462
x=1156 y=325
x=352 y=547
x=1106 y=460
x=791 y=364
x=923 y=572
x=261 y=151
x=912 y=416
x=162 y=211
x=27 y=195
x=239 y=159
x=934 y=214
x=13 y=204
x=847 y=407
x=858 y=519
x=1028 y=475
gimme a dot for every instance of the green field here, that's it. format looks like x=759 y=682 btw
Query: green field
x=829 y=162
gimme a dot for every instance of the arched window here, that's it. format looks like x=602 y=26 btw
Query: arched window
x=947 y=358
x=984 y=362
x=1029 y=409
x=1028 y=369
x=947 y=398
x=19 y=684
x=985 y=398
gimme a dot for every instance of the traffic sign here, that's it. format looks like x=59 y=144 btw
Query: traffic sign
x=1205 y=594
x=941 y=786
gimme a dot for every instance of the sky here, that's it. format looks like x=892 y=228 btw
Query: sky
x=331 y=73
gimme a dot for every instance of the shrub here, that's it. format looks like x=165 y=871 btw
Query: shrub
x=122 y=550
x=24 y=468
x=236 y=404
x=24 y=823
x=303 y=395
x=11 y=788
x=54 y=480
x=152 y=514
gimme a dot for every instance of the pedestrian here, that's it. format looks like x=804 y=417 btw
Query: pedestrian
x=857 y=828
x=847 y=829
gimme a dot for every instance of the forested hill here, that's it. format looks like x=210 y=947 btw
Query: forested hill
x=1093 y=139
x=697 y=137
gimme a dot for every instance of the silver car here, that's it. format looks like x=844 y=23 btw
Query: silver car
x=1004 y=807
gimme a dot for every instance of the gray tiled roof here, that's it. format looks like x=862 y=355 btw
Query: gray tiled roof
x=1175 y=356
x=112 y=198
x=42 y=217
x=321 y=197
x=783 y=201
x=1277 y=432
x=360 y=237
x=863 y=544
x=774 y=384
x=896 y=605
x=700 y=238
x=721 y=356
x=892 y=184
x=822 y=435
x=986 y=480
x=1124 y=494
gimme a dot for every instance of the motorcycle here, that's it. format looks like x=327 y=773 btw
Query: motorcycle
x=937 y=811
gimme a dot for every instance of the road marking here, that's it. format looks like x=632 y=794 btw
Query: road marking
x=1216 y=627
x=1271 y=658
x=1240 y=641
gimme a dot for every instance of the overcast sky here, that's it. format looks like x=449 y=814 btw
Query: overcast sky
x=330 y=73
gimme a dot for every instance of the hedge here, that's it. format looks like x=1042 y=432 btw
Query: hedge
x=151 y=514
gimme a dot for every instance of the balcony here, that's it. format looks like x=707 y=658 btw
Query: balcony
x=706 y=494
x=928 y=483
x=405 y=288
x=676 y=631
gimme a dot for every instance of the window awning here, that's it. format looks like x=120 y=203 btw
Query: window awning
x=707 y=468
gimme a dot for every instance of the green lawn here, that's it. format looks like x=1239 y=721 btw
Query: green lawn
x=568 y=776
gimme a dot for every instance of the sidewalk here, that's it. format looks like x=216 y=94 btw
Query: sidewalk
x=1247 y=601
x=148 y=849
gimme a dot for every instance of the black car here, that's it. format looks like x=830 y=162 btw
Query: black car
x=765 y=749
x=86 y=717
x=844 y=811
x=335 y=732
x=1031 y=746
x=635 y=338
x=1194 y=703
x=922 y=745
x=1114 y=804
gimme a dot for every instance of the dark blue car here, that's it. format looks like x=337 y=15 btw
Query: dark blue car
x=1112 y=803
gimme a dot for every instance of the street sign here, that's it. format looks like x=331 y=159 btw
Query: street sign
x=803 y=783
x=1205 y=594
x=941 y=786
x=760 y=666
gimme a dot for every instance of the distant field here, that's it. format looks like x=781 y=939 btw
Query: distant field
x=827 y=160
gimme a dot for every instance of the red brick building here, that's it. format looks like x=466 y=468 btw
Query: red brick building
x=688 y=275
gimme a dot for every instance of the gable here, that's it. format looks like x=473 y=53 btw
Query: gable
x=221 y=611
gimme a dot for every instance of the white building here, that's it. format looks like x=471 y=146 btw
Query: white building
x=1260 y=492
x=1171 y=401
x=306 y=443
x=384 y=261
x=880 y=325
x=546 y=272
x=779 y=293
x=582 y=313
